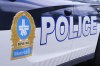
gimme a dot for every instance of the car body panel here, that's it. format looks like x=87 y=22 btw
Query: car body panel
x=54 y=52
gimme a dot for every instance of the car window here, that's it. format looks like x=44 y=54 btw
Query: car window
x=88 y=1
x=78 y=10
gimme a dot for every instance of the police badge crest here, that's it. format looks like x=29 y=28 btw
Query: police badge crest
x=23 y=34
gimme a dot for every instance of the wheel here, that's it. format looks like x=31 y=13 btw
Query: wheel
x=97 y=53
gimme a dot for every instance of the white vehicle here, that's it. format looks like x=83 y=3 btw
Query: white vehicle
x=48 y=32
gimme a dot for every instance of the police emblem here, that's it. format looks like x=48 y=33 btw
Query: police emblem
x=23 y=34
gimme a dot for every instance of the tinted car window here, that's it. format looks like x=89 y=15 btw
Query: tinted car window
x=84 y=10
x=89 y=1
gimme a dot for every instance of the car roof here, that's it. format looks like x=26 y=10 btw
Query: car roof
x=46 y=3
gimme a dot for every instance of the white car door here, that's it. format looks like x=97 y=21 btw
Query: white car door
x=47 y=48
x=86 y=24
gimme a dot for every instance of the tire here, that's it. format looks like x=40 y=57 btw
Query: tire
x=97 y=53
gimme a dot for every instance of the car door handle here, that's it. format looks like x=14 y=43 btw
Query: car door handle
x=68 y=13
x=12 y=0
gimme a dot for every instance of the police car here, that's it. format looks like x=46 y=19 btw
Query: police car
x=49 y=32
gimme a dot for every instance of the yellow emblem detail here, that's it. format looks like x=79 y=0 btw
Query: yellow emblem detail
x=23 y=34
